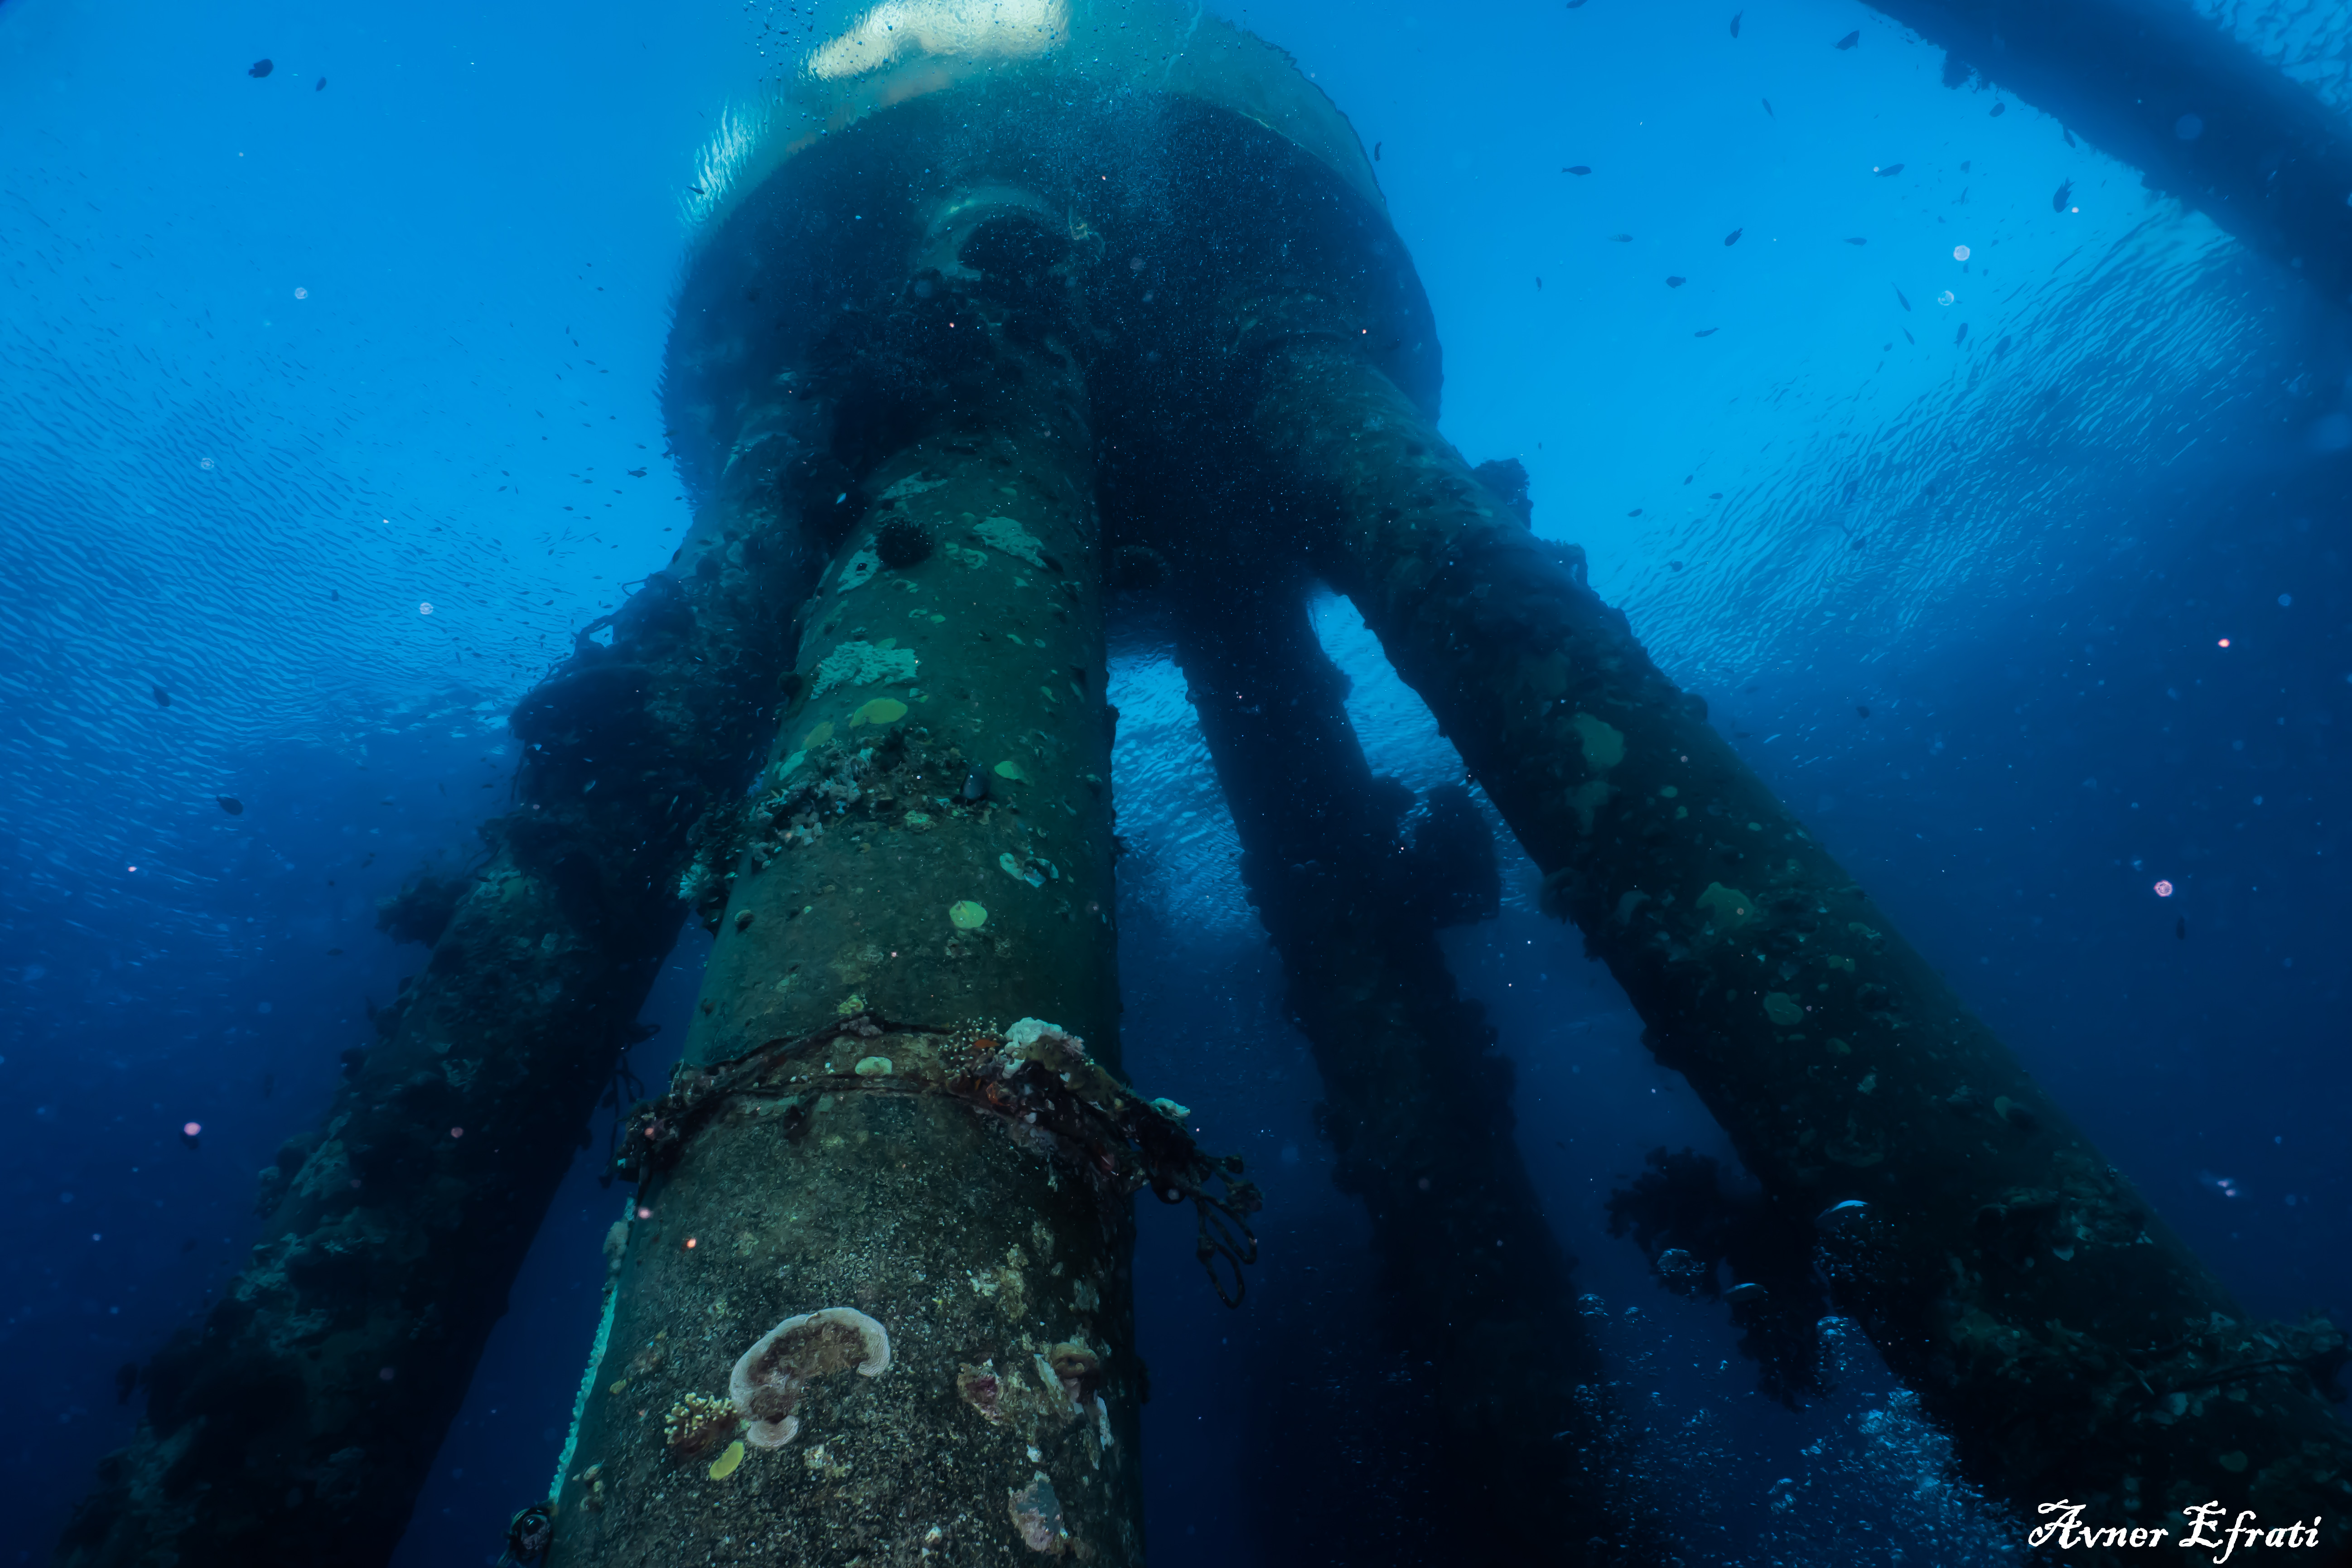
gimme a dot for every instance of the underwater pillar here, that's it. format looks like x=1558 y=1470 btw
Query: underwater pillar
x=2067 y=1340
x=875 y=1300
x=295 y=1422
x=1534 y=1462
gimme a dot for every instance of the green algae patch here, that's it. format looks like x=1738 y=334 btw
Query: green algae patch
x=965 y=915
x=851 y=1006
x=873 y=1066
x=1605 y=745
x=880 y=710
x=1783 y=1009
x=817 y=736
x=1727 y=908
x=724 y=1466
x=1589 y=797
x=1009 y=769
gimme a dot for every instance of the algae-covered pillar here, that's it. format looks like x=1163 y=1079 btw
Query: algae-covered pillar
x=2049 y=1319
x=874 y=1303
x=1534 y=1460
x=295 y=1422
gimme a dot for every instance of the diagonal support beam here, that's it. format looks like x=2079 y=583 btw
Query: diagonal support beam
x=2069 y=1342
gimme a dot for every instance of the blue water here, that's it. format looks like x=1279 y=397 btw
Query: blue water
x=283 y=363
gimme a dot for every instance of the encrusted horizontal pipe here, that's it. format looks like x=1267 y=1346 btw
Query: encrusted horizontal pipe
x=1535 y=1460
x=2167 y=89
x=2070 y=1342
x=293 y=1425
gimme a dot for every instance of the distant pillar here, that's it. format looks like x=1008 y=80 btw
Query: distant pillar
x=294 y=1422
x=1535 y=1463
x=877 y=1301
x=2048 y=1318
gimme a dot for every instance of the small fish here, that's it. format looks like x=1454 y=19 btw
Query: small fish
x=2068 y=134
x=1622 y=238
x=1889 y=171
x=1857 y=240
x=1673 y=565
x=1899 y=299
x=699 y=191
x=1741 y=1294
x=1909 y=339
x=335 y=596
x=636 y=473
x=1735 y=22
x=1376 y=151
x=163 y=698
x=1965 y=163
x=1578 y=169
x=1572 y=5
x=1733 y=238
x=1998 y=110
x=1860 y=711
x=1850 y=39
x=1635 y=512
x=1706 y=332
x=1539 y=285
x=1767 y=109
x=320 y=85
x=2180 y=928
x=1677 y=283
x=2058 y=202
x=230 y=803
x=1961 y=336
x=334 y=951
x=259 y=68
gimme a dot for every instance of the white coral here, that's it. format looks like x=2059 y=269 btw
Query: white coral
x=767 y=1378
x=863 y=664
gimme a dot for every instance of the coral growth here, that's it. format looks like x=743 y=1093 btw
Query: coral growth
x=698 y=1423
x=1037 y=1515
x=421 y=910
x=860 y=663
x=769 y=1377
x=902 y=543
